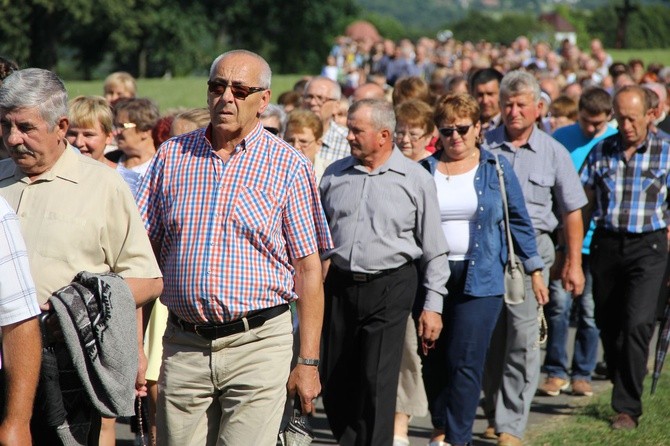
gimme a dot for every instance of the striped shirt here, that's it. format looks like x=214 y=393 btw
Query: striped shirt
x=228 y=231
x=382 y=219
x=334 y=144
x=18 y=298
x=631 y=196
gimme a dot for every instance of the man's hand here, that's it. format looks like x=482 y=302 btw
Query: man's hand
x=429 y=326
x=573 y=279
x=15 y=434
x=304 y=379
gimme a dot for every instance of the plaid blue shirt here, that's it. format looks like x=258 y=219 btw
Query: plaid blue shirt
x=631 y=196
x=228 y=231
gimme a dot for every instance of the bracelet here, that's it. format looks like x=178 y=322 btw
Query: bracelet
x=537 y=272
x=305 y=361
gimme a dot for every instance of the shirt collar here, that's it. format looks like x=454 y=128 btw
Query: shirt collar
x=65 y=168
x=498 y=138
x=396 y=162
x=247 y=141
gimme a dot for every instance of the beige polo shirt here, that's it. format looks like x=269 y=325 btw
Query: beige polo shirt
x=78 y=216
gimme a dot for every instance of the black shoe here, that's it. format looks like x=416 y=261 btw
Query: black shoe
x=601 y=370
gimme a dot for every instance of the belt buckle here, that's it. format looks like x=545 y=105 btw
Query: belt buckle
x=359 y=277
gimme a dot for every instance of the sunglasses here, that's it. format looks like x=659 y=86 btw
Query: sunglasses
x=273 y=130
x=239 y=91
x=460 y=129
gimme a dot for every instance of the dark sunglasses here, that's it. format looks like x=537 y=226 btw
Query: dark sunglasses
x=461 y=129
x=239 y=91
x=273 y=130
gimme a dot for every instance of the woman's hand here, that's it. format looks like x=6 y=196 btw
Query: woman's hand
x=539 y=288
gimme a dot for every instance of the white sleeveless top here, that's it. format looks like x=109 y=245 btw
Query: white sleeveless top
x=458 y=209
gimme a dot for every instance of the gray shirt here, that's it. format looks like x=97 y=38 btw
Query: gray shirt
x=546 y=173
x=385 y=218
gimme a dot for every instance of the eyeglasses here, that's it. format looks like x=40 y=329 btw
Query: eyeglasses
x=295 y=142
x=123 y=126
x=318 y=99
x=239 y=91
x=273 y=130
x=460 y=129
x=412 y=136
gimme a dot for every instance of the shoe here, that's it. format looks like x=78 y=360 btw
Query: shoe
x=553 y=386
x=623 y=422
x=400 y=441
x=601 y=369
x=581 y=387
x=490 y=433
x=437 y=443
x=505 y=439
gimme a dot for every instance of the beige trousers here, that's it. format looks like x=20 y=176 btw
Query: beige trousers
x=230 y=391
x=411 y=398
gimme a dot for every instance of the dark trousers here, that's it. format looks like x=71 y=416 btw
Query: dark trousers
x=364 y=329
x=453 y=370
x=627 y=273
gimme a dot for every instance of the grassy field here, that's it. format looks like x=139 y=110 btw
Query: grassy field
x=176 y=92
x=590 y=424
x=647 y=56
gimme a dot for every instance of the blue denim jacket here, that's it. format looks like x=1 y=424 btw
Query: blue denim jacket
x=489 y=253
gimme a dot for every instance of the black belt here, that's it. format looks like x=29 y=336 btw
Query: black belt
x=367 y=277
x=254 y=319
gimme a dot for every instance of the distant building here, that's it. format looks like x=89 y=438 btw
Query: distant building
x=562 y=28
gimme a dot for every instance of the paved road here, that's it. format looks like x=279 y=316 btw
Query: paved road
x=544 y=410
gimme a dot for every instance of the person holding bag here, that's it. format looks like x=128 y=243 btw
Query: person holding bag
x=471 y=206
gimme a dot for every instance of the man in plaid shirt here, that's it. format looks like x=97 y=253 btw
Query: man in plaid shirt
x=626 y=181
x=236 y=220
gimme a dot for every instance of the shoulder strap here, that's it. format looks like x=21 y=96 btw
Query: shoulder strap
x=503 y=193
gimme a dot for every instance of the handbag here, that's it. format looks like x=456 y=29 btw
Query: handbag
x=515 y=287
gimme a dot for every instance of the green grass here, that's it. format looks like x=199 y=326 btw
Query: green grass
x=176 y=92
x=589 y=425
x=656 y=55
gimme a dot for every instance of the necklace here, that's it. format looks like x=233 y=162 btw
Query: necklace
x=446 y=164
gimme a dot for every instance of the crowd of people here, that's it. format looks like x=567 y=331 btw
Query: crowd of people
x=349 y=240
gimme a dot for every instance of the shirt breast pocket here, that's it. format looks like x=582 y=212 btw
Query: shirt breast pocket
x=540 y=188
x=606 y=179
x=61 y=236
x=652 y=181
x=254 y=210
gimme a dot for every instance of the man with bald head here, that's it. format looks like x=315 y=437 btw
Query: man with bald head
x=238 y=242
x=369 y=90
x=322 y=96
x=626 y=181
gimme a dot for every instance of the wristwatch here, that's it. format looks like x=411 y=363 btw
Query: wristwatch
x=537 y=272
x=305 y=361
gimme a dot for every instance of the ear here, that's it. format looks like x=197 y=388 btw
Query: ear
x=109 y=139
x=62 y=126
x=265 y=100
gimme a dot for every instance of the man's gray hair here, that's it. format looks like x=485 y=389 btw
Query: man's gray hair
x=35 y=88
x=275 y=111
x=519 y=82
x=265 y=75
x=382 y=114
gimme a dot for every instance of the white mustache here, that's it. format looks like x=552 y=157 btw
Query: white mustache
x=20 y=150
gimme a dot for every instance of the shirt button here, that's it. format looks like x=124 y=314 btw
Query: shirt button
x=481 y=208
x=479 y=226
x=480 y=192
x=472 y=263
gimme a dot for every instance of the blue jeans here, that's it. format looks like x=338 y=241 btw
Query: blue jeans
x=468 y=325
x=557 y=312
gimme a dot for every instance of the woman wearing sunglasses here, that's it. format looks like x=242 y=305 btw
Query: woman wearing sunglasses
x=473 y=222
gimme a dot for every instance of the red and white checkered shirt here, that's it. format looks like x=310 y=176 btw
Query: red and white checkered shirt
x=228 y=231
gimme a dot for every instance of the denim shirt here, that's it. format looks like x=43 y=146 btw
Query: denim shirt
x=489 y=254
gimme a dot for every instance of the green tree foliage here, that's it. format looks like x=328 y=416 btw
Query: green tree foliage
x=152 y=37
